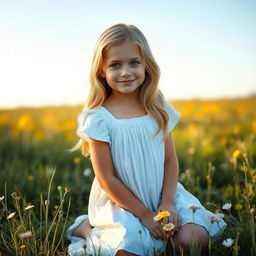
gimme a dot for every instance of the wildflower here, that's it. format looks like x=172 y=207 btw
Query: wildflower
x=193 y=207
x=56 y=207
x=67 y=189
x=161 y=215
x=59 y=188
x=23 y=246
x=87 y=172
x=1 y=198
x=18 y=197
x=226 y=206
x=214 y=218
x=29 y=207
x=168 y=226
x=77 y=160
x=11 y=215
x=236 y=153
x=228 y=242
x=25 y=235
x=238 y=207
x=220 y=215
x=30 y=178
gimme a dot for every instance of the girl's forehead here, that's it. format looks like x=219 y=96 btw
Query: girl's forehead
x=127 y=49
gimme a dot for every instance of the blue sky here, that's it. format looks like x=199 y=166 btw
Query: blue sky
x=205 y=49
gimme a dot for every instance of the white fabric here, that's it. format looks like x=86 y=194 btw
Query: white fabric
x=138 y=158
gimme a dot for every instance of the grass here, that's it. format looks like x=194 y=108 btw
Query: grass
x=215 y=143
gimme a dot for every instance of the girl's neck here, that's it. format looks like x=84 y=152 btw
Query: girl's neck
x=124 y=99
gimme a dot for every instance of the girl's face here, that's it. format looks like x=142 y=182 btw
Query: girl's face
x=124 y=68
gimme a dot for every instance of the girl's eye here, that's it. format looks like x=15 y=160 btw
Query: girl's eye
x=114 y=65
x=135 y=62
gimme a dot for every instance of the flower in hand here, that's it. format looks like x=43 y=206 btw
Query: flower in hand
x=161 y=215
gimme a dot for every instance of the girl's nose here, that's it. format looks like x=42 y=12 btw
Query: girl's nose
x=125 y=72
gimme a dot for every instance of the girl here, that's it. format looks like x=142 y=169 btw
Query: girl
x=126 y=129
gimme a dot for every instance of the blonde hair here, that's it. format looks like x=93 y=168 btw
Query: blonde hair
x=150 y=96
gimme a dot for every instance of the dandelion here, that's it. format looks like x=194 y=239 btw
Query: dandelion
x=228 y=242
x=213 y=219
x=168 y=227
x=1 y=198
x=56 y=207
x=23 y=246
x=77 y=160
x=29 y=207
x=226 y=206
x=30 y=178
x=87 y=172
x=161 y=215
x=11 y=215
x=25 y=235
x=238 y=207
x=194 y=207
x=236 y=153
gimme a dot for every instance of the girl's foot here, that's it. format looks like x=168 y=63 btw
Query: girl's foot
x=83 y=230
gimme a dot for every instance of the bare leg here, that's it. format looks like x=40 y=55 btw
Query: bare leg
x=83 y=230
x=124 y=253
x=191 y=233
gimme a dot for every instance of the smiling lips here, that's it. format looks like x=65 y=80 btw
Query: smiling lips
x=126 y=81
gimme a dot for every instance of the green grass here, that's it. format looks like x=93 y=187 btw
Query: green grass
x=215 y=143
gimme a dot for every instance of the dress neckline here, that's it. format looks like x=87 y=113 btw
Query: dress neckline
x=124 y=119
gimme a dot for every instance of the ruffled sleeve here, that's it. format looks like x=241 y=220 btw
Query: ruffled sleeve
x=92 y=124
x=174 y=116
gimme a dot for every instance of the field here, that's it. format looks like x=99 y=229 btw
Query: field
x=46 y=186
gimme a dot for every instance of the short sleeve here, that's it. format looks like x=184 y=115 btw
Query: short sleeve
x=174 y=116
x=92 y=124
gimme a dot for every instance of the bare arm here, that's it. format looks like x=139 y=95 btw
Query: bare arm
x=171 y=173
x=104 y=171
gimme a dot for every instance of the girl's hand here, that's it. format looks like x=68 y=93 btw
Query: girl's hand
x=154 y=227
x=174 y=217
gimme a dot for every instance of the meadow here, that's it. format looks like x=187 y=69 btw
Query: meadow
x=43 y=186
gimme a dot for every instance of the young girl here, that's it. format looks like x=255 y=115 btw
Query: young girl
x=126 y=129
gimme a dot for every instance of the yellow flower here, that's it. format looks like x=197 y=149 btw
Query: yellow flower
x=168 y=227
x=236 y=153
x=56 y=206
x=238 y=207
x=161 y=215
x=30 y=178
x=23 y=246
x=77 y=160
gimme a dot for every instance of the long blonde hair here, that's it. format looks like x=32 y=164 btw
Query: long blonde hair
x=150 y=96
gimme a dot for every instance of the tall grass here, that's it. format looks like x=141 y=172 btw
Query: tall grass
x=215 y=143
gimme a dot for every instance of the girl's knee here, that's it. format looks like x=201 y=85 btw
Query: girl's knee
x=124 y=253
x=191 y=233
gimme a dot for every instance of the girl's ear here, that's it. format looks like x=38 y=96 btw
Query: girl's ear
x=102 y=74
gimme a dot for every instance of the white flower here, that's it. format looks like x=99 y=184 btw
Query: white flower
x=220 y=215
x=11 y=215
x=25 y=235
x=1 y=198
x=87 y=172
x=228 y=242
x=226 y=206
x=168 y=227
x=29 y=207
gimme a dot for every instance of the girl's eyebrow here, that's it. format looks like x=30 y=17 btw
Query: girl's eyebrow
x=116 y=60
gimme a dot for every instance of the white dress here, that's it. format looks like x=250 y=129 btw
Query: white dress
x=138 y=159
